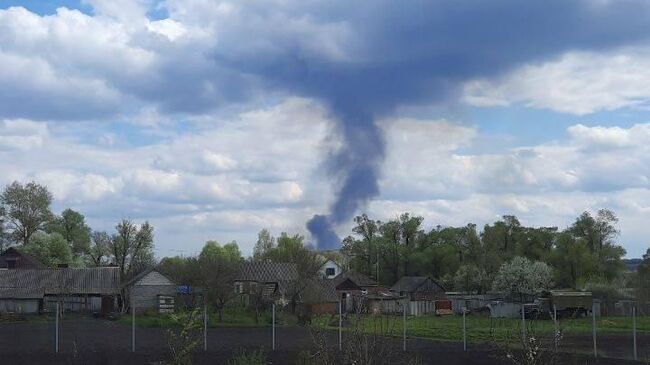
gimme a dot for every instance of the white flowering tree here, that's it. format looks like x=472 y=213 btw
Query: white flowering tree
x=523 y=277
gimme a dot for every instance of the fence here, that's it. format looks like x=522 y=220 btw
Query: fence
x=276 y=330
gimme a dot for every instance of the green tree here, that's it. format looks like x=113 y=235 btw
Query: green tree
x=27 y=209
x=367 y=250
x=72 y=226
x=470 y=279
x=265 y=244
x=410 y=231
x=217 y=273
x=50 y=249
x=391 y=251
x=4 y=237
x=100 y=249
x=642 y=281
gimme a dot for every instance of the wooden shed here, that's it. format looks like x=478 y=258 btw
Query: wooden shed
x=151 y=290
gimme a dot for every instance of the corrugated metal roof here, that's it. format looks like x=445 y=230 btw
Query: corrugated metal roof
x=356 y=277
x=320 y=291
x=410 y=284
x=34 y=283
x=267 y=272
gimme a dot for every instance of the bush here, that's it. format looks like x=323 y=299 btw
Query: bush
x=248 y=358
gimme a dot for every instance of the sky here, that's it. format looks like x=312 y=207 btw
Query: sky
x=215 y=119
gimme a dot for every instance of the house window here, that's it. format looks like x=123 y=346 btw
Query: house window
x=330 y=271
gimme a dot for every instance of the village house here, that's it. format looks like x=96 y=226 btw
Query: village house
x=319 y=297
x=151 y=290
x=420 y=293
x=11 y=258
x=351 y=287
x=265 y=280
x=330 y=269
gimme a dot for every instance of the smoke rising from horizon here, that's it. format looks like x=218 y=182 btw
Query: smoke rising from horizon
x=365 y=59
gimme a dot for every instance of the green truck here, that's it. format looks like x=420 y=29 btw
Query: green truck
x=566 y=303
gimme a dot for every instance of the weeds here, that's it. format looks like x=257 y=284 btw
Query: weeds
x=248 y=358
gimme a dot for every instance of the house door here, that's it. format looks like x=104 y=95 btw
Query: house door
x=108 y=305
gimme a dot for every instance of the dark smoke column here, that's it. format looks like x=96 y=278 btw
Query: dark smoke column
x=355 y=168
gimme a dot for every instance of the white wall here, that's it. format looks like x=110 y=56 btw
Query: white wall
x=329 y=264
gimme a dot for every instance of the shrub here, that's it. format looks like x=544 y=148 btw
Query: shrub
x=257 y=357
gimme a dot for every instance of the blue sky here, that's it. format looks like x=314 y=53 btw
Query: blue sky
x=214 y=119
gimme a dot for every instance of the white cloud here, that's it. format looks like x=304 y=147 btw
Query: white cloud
x=20 y=134
x=260 y=168
x=577 y=82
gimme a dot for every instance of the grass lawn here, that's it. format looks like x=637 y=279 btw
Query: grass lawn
x=484 y=329
x=232 y=317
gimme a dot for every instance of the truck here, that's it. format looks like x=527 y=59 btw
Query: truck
x=566 y=303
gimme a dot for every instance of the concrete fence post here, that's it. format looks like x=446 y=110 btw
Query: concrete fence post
x=340 y=325
x=593 y=326
x=557 y=330
x=273 y=326
x=634 y=331
x=56 y=329
x=523 y=323
x=464 y=331
x=404 y=326
x=205 y=324
x=132 y=323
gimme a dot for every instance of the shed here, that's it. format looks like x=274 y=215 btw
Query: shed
x=11 y=258
x=269 y=280
x=351 y=286
x=420 y=292
x=418 y=288
x=151 y=290
x=319 y=297
x=78 y=289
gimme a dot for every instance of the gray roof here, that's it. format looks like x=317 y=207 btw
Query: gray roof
x=320 y=291
x=267 y=272
x=144 y=273
x=23 y=260
x=410 y=284
x=356 y=277
x=35 y=283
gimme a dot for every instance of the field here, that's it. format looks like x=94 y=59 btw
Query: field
x=85 y=340
x=482 y=329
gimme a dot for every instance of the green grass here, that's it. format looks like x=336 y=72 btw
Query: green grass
x=232 y=317
x=483 y=329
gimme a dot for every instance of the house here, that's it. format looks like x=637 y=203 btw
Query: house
x=151 y=290
x=265 y=280
x=330 y=269
x=351 y=287
x=77 y=289
x=420 y=292
x=11 y=258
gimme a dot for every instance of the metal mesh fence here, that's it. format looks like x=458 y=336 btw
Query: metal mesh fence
x=84 y=335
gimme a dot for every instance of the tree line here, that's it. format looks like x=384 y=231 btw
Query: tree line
x=28 y=223
x=584 y=255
